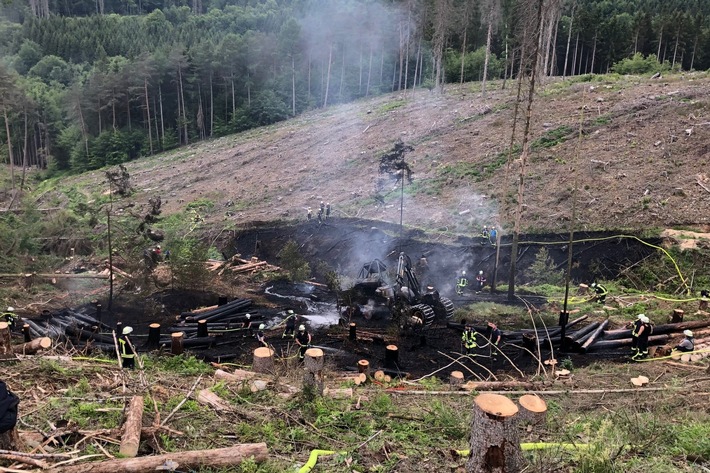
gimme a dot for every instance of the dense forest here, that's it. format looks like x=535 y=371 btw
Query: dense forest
x=84 y=84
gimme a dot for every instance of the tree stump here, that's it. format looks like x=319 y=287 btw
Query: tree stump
x=353 y=332
x=10 y=440
x=703 y=305
x=5 y=341
x=202 y=328
x=456 y=379
x=583 y=290
x=495 y=441
x=530 y=342
x=176 y=347
x=153 y=336
x=534 y=409
x=363 y=366
x=676 y=317
x=313 y=362
x=263 y=360
x=391 y=356
x=26 y=333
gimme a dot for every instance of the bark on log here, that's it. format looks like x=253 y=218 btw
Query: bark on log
x=495 y=440
x=658 y=329
x=176 y=347
x=208 y=398
x=579 y=334
x=593 y=336
x=194 y=459
x=625 y=342
x=5 y=341
x=26 y=333
x=352 y=336
x=33 y=347
x=131 y=432
x=263 y=360
x=202 y=328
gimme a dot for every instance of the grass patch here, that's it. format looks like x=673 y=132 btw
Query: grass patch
x=390 y=106
x=553 y=137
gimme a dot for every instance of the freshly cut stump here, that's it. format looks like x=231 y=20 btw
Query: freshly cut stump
x=495 y=441
x=391 y=356
x=456 y=379
x=363 y=366
x=534 y=409
x=313 y=363
x=263 y=360
x=176 y=347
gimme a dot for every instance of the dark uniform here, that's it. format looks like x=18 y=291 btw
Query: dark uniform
x=643 y=333
x=495 y=337
x=635 y=335
x=8 y=408
x=260 y=336
x=290 y=324
x=480 y=281
x=303 y=340
x=468 y=338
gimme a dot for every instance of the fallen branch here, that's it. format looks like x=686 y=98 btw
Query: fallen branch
x=177 y=408
x=218 y=457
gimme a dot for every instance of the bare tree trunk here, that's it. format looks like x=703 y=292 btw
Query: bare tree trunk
x=211 y=104
x=463 y=54
x=488 y=56
x=147 y=110
x=594 y=53
x=293 y=86
x=525 y=152
x=327 y=80
x=675 y=49
x=184 y=112
x=692 y=58
x=660 y=41
x=162 y=121
x=574 y=56
x=569 y=40
x=406 y=49
x=342 y=75
x=9 y=148
x=401 y=55
x=24 y=152
x=369 y=74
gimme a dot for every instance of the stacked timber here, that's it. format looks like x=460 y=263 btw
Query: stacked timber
x=238 y=265
x=202 y=326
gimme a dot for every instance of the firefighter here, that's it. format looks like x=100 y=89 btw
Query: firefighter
x=309 y=214
x=128 y=356
x=327 y=211
x=495 y=337
x=480 y=281
x=11 y=318
x=635 y=326
x=643 y=333
x=688 y=343
x=260 y=336
x=485 y=233
x=303 y=340
x=461 y=282
x=290 y=324
x=8 y=408
x=600 y=292
x=493 y=236
x=468 y=338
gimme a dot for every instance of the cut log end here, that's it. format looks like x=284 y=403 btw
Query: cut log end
x=496 y=405
x=533 y=403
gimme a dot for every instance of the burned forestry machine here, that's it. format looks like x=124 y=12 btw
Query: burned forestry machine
x=409 y=306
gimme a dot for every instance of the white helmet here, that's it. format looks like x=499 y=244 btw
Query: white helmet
x=127 y=330
x=645 y=319
x=248 y=316
x=289 y=312
x=480 y=272
x=262 y=326
x=463 y=272
x=301 y=328
x=11 y=309
x=594 y=284
x=641 y=316
x=688 y=333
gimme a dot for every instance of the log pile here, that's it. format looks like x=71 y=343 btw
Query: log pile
x=238 y=265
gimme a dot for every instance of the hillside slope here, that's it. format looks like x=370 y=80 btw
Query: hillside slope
x=644 y=149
